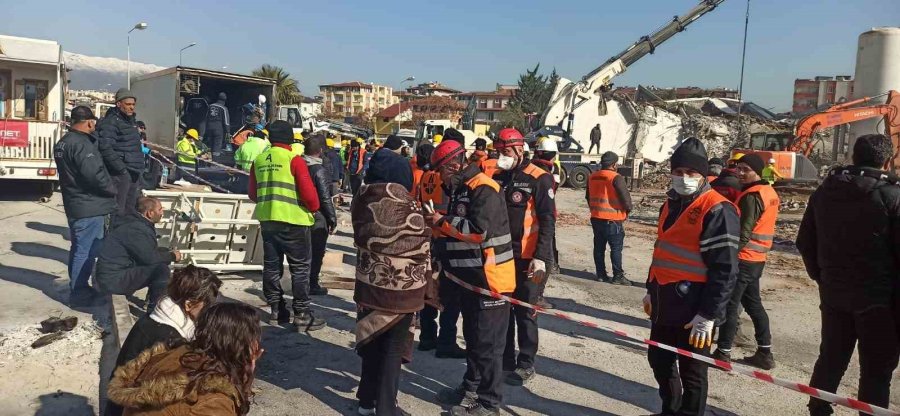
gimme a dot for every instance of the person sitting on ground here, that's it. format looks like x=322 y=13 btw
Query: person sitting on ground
x=209 y=376
x=130 y=259
x=190 y=291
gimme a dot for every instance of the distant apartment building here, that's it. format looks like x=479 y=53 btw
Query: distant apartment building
x=810 y=94
x=432 y=89
x=408 y=114
x=352 y=99
x=488 y=104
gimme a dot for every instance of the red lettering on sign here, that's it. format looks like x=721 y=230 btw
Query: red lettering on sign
x=13 y=133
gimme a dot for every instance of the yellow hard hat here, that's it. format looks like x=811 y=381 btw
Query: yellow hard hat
x=438 y=138
x=360 y=140
x=298 y=136
x=192 y=133
x=265 y=132
x=490 y=146
x=329 y=142
x=737 y=156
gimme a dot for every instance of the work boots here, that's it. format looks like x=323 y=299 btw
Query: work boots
x=453 y=351
x=279 y=314
x=520 y=376
x=458 y=397
x=621 y=280
x=763 y=359
x=305 y=321
x=316 y=290
x=475 y=410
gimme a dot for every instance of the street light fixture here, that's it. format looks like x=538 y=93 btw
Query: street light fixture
x=181 y=52
x=400 y=104
x=139 y=26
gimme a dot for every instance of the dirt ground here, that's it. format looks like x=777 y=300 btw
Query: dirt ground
x=582 y=371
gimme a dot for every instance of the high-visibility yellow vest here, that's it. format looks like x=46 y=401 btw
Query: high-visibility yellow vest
x=187 y=151
x=247 y=153
x=297 y=148
x=276 y=189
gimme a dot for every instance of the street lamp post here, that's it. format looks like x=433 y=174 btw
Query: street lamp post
x=400 y=104
x=181 y=52
x=139 y=26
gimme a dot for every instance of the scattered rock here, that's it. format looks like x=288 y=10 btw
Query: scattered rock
x=48 y=339
x=54 y=324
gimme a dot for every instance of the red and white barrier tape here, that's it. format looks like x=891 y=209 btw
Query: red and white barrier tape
x=189 y=173
x=758 y=375
x=214 y=163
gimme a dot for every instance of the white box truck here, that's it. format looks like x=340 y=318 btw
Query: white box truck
x=32 y=108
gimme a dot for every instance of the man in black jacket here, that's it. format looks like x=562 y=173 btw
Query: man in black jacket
x=130 y=259
x=217 y=125
x=122 y=150
x=850 y=243
x=326 y=219
x=89 y=196
x=387 y=165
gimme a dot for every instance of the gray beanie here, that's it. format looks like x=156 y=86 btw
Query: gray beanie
x=124 y=93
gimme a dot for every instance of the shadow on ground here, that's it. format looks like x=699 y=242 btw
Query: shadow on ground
x=63 y=404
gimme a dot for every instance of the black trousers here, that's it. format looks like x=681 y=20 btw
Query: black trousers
x=746 y=294
x=682 y=381
x=128 y=190
x=381 y=360
x=319 y=236
x=594 y=143
x=282 y=240
x=876 y=331
x=154 y=277
x=485 y=322
x=355 y=182
x=524 y=319
x=428 y=319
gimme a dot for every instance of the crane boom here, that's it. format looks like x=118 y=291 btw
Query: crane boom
x=601 y=76
x=848 y=112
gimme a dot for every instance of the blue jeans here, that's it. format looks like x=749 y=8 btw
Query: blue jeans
x=85 y=234
x=612 y=233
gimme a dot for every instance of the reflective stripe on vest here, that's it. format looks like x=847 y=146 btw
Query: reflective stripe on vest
x=187 y=151
x=764 y=231
x=246 y=154
x=276 y=192
x=676 y=254
x=531 y=227
x=603 y=198
x=360 y=154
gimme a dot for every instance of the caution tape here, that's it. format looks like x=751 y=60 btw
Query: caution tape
x=188 y=172
x=211 y=162
x=758 y=375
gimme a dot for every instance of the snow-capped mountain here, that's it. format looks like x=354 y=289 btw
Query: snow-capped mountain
x=95 y=72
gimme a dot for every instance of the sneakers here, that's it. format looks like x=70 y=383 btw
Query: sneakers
x=305 y=321
x=279 y=314
x=475 y=410
x=83 y=297
x=620 y=280
x=317 y=290
x=426 y=344
x=761 y=359
x=721 y=356
x=458 y=397
x=544 y=303
x=602 y=278
x=520 y=376
x=453 y=352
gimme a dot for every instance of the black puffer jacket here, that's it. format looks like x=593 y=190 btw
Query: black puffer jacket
x=850 y=237
x=132 y=242
x=120 y=132
x=87 y=188
x=321 y=178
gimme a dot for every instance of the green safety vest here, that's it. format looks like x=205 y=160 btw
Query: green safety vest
x=276 y=190
x=768 y=175
x=247 y=153
x=187 y=151
x=297 y=148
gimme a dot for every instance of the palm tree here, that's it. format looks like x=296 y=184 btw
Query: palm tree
x=286 y=88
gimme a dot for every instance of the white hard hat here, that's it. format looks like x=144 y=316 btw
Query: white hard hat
x=526 y=148
x=771 y=160
x=547 y=144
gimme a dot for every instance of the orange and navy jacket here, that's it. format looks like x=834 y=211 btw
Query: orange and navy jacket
x=478 y=246
x=417 y=173
x=356 y=160
x=489 y=167
x=478 y=156
x=531 y=206
x=430 y=189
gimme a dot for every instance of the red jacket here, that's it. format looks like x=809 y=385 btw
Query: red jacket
x=309 y=198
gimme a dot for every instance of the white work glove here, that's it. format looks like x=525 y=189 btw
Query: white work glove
x=701 y=332
x=537 y=270
x=648 y=307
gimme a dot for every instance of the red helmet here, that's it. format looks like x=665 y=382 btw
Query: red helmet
x=445 y=152
x=509 y=137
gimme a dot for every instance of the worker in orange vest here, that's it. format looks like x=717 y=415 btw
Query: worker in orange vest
x=480 y=153
x=693 y=270
x=759 y=204
x=610 y=203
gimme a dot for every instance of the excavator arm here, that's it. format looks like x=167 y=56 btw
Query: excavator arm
x=848 y=112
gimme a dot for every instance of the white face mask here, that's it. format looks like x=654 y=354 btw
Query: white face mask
x=506 y=162
x=685 y=185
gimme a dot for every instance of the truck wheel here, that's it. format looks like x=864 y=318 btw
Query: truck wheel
x=563 y=176
x=579 y=177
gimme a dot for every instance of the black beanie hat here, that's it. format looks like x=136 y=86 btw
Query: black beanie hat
x=691 y=154
x=393 y=142
x=423 y=155
x=608 y=159
x=754 y=161
x=281 y=132
x=454 y=134
x=716 y=161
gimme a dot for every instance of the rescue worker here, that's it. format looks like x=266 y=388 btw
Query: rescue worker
x=286 y=201
x=189 y=151
x=610 y=203
x=355 y=164
x=758 y=205
x=693 y=270
x=727 y=183
x=478 y=252
x=217 y=125
x=437 y=333
x=715 y=168
x=531 y=207
x=849 y=243
x=332 y=152
x=492 y=153
x=437 y=139
x=297 y=146
x=480 y=152
x=326 y=218
x=545 y=157
x=770 y=173
x=253 y=146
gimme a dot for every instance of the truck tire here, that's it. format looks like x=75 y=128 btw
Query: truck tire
x=563 y=176
x=579 y=177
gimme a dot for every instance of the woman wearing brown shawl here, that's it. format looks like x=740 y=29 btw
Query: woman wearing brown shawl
x=393 y=280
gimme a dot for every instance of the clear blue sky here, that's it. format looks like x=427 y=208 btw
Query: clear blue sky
x=470 y=45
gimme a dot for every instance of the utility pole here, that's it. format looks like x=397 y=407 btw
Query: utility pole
x=741 y=85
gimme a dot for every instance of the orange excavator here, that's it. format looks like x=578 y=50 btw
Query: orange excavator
x=791 y=159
